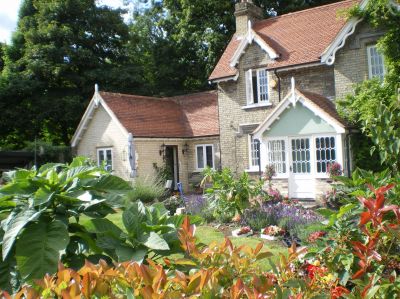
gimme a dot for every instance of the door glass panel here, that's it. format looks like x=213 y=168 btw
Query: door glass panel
x=301 y=155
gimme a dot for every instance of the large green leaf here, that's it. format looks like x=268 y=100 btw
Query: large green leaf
x=103 y=225
x=7 y=274
x=126 y=253
x=39 y=248
x=14 y=227
x=112 y=183
x=154 y=241
x=133 y=218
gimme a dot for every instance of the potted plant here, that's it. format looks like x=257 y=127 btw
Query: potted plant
x=272 y=232
x=244 y=231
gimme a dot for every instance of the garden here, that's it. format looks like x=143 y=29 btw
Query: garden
x=77 y=231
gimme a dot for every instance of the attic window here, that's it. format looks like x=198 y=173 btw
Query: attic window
x=376 y=63
x=257 y=92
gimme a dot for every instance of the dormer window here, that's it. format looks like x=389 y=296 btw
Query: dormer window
x=257 y=92
x=376 y=63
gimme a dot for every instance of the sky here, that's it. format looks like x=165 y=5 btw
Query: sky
x=9 y=16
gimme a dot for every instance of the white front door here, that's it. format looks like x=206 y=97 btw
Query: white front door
x=301 y=182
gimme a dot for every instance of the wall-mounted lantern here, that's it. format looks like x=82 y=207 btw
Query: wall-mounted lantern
x=162 y=150
x=185 y=148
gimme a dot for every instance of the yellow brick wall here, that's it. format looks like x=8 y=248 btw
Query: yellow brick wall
x=148 y=153
x=351 y=63
x=102 y=132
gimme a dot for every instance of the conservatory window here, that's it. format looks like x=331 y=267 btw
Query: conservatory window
x=277 y=155
x=325 y=148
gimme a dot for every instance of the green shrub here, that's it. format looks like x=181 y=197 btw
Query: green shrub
x=43 y=208
x=257 y=219
x=146 y=190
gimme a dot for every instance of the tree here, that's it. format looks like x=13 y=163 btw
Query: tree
x=2 y=48
x=59 y=51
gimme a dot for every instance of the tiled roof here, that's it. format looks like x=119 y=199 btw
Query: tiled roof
x=300 y=37
x=324 y=104
x=193 y=115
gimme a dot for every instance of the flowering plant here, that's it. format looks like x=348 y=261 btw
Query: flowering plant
x=244 y=230
x=273 y=230
x=334 y=169
x=315 y=236
x=269 y=173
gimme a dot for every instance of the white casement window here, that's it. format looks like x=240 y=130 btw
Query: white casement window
x=204 y=156
x=325 y=153
x=376 y=63
x=276 y=155
x=257 y=91
x=254 y=151
x=104 y=155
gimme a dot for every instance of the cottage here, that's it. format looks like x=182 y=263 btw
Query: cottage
x=133 y=134
x=278 y=80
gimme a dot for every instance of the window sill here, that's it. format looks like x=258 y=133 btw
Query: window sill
x=255 y=106
x=252 y=170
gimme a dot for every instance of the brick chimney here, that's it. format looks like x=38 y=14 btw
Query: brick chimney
x=246 y=11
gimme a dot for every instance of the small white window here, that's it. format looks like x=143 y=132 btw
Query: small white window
x=325 y=153
x=276 y=150
x=376 y=63
x=104 y=155
x=257 y=87
x=254 y=153
x=204 y=156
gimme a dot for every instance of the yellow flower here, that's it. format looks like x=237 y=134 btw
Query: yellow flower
x=317 y=263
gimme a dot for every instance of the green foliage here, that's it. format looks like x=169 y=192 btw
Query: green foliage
x=146 y=189
x=39 y=206
x=147 y=230
x=228 y=193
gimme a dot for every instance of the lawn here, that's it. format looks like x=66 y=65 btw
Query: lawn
x=207 y=234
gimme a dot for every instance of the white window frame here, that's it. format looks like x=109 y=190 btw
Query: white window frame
x=104 y=150
x=338 y=149
x=204 y=146
x=286 y=141
x=370 y=75
x=313 y=153
x=250 y=92
x=251 y=166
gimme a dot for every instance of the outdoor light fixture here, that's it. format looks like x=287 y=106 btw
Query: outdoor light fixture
x=162 y=150
x=185 y=148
